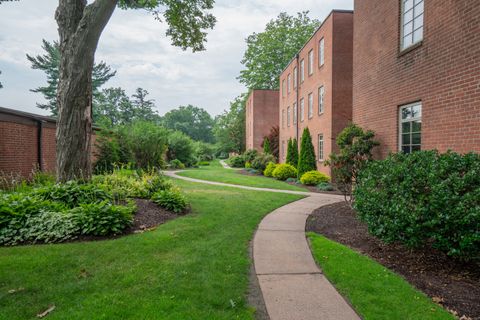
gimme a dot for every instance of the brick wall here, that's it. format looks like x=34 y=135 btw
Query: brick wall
x=443 y=72
x=19 y=152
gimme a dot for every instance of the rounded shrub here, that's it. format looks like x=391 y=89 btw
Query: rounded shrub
x=171 y=199
x=268 y=172
x=312 y=178
x=249 y=155
x=237 y=161
x=176 y=164
x=261 y=161
x=284 y=171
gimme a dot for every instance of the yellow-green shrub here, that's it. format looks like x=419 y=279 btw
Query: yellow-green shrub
x=268 y=172
x=312 y=178
x=284 y=171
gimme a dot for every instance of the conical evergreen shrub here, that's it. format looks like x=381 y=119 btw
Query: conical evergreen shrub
x=266 y=146
x=306 y=159
x=292 y=152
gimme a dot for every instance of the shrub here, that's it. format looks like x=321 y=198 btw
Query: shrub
x=237 y=162
x=73 y=193
x=203 y=163
x=176 y=164
x=108 y=152
x=172 y=200
x=292 y=152
x=423 y=198
x=249 y=155
x=284 y=171
x=355 y=146
x=292 y=180
x=261 y=161
x=268 y=172
x=203 y=151
x=273 y=139
x=312 y=178
x=325 y=186
x=43 y=178
x=306 y=159
x=181 y=147
x=248 y=165
x=266 y=146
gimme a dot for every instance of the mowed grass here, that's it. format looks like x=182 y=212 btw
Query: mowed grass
x=215 y=172
x=194 y=267
x=373 y=290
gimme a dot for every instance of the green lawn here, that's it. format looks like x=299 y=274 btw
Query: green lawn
x=215 y=172
x=194 y=267
x=374 y=291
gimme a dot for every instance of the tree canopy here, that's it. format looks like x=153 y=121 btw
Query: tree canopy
x=269 y=52
x=193 y=121
x=229 y=127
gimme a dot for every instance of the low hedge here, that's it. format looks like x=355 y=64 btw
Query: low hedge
x=314 y=177
x=268 y=172
x=284 y=171
x=261 y=161
x=423 y=198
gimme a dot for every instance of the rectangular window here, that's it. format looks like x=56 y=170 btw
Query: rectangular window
x=294 y=113
x=321 y=52
x=310 y=62
x=289 y=78
x=295 y=77
x=283 y=88
x=320 y=147
x=321 y=99
x=310 y=105
x=412 y=22
x=283 y=118
x=410 y=135
x=288 y=116
x=302 y=110
x=302 y=71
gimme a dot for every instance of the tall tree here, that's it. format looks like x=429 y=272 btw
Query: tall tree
x=193 y=121
x=269 y=52
x=50 y=64
x=229 y=127
x=143 y=108
x=306 y=158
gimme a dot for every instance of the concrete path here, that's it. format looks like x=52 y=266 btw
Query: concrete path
x=292 y=285
x=226 y=166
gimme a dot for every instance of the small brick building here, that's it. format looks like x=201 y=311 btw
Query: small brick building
x=316 y=88
x=261 y=114
x=416 y=73
x=27 y=143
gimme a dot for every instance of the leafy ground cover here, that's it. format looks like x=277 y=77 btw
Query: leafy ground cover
x=215 y=172
x=193 y=267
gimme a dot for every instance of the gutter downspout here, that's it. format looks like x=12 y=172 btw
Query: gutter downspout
x=39 y=144
x=296 y=94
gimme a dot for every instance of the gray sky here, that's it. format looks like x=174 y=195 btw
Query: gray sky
x=135 y=45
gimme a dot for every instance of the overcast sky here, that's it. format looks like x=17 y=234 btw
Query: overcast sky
x=135 y=45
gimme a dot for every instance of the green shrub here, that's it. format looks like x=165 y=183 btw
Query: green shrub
x=248 y=165
x=172 y=200
x=204 y=151
x=306 y=159
x=284 y=171
x=249 y=155
x=237 y=162
x=43 y=178
x=292 y=152
x=325 y=186
x=176 y=164
x=268 y=172
x=312 y=178
x=203 y=163
x=266 y=146
x=73 y=193
x=181 y=147
x=295 y=180
x=423 y=198
x=261 y=161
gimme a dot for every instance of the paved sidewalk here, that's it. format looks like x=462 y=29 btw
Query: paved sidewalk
x=292 y=285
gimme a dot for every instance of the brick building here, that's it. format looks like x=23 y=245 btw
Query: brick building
x=416 y=73
x=316 y=88
x=261 y=114
x=27 y=143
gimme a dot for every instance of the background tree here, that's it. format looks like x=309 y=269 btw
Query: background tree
x=143 y=107
x=266 y=146
x=306 y=158
x=193 y=121
x=50 y=63
x=292 y=152
x=229 y=127
x=269 y=52
x=1 y=86
x=273 y=139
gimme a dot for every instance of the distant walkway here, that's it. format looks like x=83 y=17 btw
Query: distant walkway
x=226 y=166
x=292 y=285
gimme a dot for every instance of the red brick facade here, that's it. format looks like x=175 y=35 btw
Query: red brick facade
x=20 y=144
x=334 y=75
x=261 y=114
x=442 y=72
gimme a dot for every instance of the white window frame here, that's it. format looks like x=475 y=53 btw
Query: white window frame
x=288 y=116
x=321 y=99
x=289 y=80
x=310 y=105
x=321 y=145
x=401 y=121
x=321 y=52
x=295 y=78
x=302 y=110
x=414 y=19
x=283 y=88
x=302 y=70
x=295 y=111
x=310 y=62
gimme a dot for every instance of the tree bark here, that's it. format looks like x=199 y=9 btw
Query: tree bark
x=79 y=27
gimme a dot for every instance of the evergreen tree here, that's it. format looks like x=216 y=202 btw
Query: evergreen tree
x=292 y=152
x=266 y=146
x=306 y=160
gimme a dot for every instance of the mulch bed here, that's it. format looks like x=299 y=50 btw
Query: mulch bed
x=453 y=284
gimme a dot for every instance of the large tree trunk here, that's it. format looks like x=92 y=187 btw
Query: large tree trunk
x=79 y=26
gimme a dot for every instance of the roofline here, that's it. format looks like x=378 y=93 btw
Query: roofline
x=311 y=37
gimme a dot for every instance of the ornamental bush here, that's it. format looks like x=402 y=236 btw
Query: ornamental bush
x=249 y=155
x=237 y=161
x=171 y=199
x=284 y=171
x=266 y=146
x=292 y=152
x=261 y=161
x=423 y=198
x=306 y=158
x=268 y=172
x=176 y=164
x=314 y=177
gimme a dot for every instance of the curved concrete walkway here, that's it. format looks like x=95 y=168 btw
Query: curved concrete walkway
x=292 y=285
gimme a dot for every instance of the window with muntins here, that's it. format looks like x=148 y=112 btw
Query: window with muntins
x=321 y=52
x=412 y=22
x=288 y=116
x=310 y=62
x=302 y=110
x=320 y=147
x=283 y=88
x=410 y=135
x=289 y=78
x=294 y=113
x=321 y=99
x=295 y=77
x=310 y=105
x=302 y=70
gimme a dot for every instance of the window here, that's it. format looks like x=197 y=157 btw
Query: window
x=289 y=78
x=288 y=116
x=321 y=96
x=320 y=147
x=294 y=113
x=302 y=110
x=283 y=88
x=302 y=70
x=412 y=23
x=321 y=52
x=295 y=77
x=310 y=105
x=410 y=135
x=283 y=118
x=310 y=62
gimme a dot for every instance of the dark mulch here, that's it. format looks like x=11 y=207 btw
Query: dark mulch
x=453 y=284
